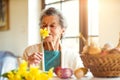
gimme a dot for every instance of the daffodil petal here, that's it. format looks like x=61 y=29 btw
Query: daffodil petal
x=44 y=33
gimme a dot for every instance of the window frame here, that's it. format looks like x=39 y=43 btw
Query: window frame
x=83 y=21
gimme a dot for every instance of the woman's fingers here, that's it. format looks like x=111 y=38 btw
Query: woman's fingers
x=48 y=46
x=51 y=46
x=35 y=58
x=57 y=44
x=39 y=55
x=45 y=46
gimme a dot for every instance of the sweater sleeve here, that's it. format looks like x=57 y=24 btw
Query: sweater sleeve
x=30 y=50
x=71 y=59
x=77 y=61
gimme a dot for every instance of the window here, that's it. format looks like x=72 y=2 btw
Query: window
x=70 y=9
x=93 y=17
x=93 y=31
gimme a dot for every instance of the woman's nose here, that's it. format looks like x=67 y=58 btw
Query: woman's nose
x=48 y=28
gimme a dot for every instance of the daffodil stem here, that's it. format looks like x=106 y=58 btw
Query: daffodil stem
x=43 y=65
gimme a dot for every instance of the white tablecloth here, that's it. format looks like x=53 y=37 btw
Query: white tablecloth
x=86 y=78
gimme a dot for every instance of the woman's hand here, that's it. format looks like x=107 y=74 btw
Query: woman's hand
x=35 y=58
x=50 y=44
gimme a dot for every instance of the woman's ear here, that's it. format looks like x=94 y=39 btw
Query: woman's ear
x=63 y=30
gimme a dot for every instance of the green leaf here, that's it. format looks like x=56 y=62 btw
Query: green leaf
x=4 y=75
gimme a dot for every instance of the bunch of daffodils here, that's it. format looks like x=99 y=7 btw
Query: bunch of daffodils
x=28 y=73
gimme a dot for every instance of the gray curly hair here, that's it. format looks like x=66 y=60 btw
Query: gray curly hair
x=52 y=11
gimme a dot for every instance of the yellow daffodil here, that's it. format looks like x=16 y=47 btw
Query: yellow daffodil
x=44 y=33
x=10 y=75
x=28 y=73
x=17 y=76
x=22 y=69
x=50 y=72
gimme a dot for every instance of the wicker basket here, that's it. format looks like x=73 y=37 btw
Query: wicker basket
x=102 y=65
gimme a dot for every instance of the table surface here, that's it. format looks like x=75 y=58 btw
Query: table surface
x=86 y=78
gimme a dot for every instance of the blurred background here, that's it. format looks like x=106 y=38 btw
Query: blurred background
x=98 y=18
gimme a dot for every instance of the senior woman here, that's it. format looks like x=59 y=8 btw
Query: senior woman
x=54 y=52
